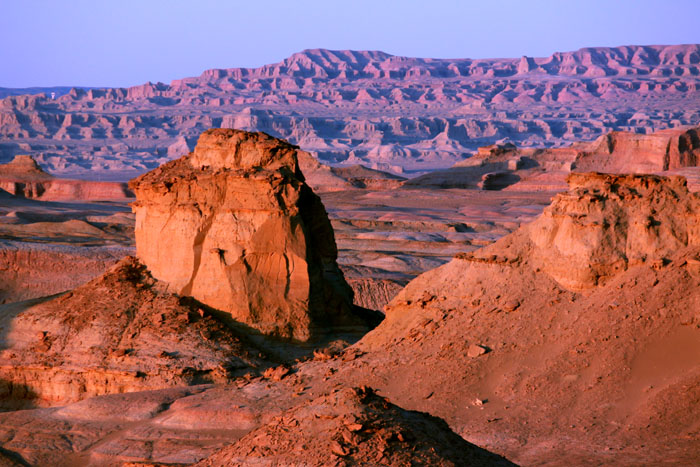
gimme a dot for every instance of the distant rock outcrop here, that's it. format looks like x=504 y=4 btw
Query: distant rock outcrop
x=24 y=166
x=234 y=225
x=24 y=177
x=505 y=166
x=622 y=152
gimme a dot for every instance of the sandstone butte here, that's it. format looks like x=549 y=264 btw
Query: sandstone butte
x=234 y=225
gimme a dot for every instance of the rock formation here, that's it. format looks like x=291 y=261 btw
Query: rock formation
x=322 y=177
x=518 y=346
x=25 y=178
x=608 y=223
x=362 y=107
x=234 y=225
x=505 y=166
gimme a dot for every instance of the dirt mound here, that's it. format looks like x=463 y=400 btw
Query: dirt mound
x=120 y=332
x=353 y=427
x=536 y=361
x=234 y=225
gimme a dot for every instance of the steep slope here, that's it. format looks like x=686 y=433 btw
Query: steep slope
x=529 y=353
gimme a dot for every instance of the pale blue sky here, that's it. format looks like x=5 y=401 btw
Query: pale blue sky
x=129 y=42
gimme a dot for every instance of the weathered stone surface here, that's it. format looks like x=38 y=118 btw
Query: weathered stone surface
x=600 y=359
x=234 y=225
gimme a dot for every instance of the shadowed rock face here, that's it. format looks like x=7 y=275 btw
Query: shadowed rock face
x=234 y=225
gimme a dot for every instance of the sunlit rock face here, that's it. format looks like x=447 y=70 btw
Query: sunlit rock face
x=234 y=225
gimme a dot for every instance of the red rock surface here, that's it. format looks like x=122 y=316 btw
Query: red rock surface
x=589 y=318
x=515 y=357
x=506 y=166
x=386 y=112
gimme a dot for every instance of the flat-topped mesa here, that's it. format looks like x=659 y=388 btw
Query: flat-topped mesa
x=233 y=225
x=607 y=223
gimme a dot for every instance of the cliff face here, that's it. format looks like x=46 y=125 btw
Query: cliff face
x=234 y=225
x=665 y=152
x=622 y=152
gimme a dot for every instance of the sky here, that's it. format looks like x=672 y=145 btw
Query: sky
x=129 y=42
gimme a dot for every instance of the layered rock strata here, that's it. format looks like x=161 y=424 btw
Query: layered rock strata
x=234 y=225
x=505 y=166
x=608 y=223
x=368 y=107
